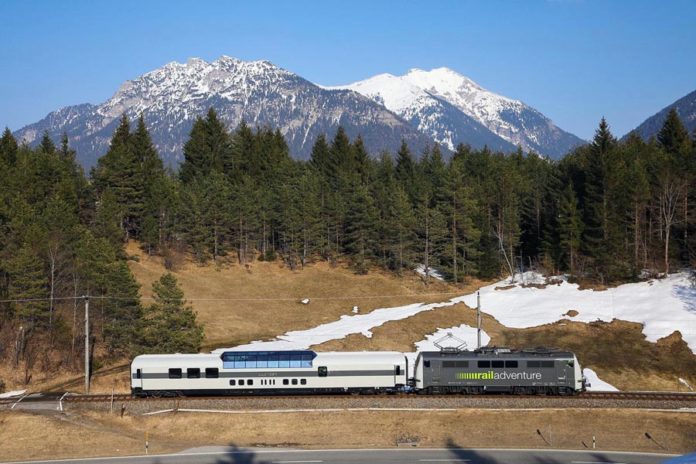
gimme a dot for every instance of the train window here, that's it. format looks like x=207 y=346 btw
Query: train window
x=294 y=381
x=497 y=364
x=286 y=381
x=511 y=364
x=273 y=359
x=193 y=373
x=448 y=364
x=262 y=360
x=533 y=364
x=250 y=382
x=426 y=363
x=212 y=373
x=138 y=374
x=461 y=363
x=303 y=381
x=547 y=364
x=323 y=371
x=484 y=364
x=397 y=370
x=174 y=373
x=284 y=360
x=241 y=381
x=233 y=382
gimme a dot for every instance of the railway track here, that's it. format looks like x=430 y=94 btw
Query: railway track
x=645 y=396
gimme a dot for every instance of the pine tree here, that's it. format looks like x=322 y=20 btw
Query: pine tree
x=28 y=282
x=47 y=146
x=596 y=202
x=170 y=324
x=8 y=147
x=673 y=136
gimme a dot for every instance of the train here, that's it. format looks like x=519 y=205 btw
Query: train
x=281 y=372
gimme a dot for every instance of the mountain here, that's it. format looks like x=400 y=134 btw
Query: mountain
x=686 y=109
x=262 y=94
x=429 y=113
x=419 y=97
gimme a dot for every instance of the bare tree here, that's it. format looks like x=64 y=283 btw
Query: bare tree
x=498 y=235
x=669 y=193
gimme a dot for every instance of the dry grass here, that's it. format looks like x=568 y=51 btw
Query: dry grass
x=258 y=313
x=27 y=436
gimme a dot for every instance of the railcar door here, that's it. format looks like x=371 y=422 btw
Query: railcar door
x=137 y=380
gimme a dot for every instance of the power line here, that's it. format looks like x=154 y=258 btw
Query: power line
x=320 y=298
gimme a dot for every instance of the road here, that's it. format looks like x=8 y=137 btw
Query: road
x=232 y=455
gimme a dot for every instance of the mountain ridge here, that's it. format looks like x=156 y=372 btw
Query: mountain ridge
x=509 y=119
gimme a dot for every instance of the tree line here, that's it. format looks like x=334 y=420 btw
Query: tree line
x=607 y=212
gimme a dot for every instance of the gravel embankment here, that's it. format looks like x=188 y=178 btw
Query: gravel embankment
x=280 y=404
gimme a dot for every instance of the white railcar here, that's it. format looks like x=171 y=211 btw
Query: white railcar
x=232 y=372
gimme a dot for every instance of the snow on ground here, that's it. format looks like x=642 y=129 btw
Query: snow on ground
x=11 y=394
x=346 y=325
x=662 y=306
x=434 y=273
x=596 y=384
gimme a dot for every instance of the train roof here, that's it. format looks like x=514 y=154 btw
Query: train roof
x=497 y=353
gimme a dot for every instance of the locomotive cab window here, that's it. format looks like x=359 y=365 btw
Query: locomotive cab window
x=484 y=364
x=212 y=373
x=193 y=373
x=426 y=363
x=175 y=373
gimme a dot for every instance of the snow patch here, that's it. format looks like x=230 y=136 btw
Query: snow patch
x=597 y=384
x=434 y=273
x=662 y=306
x=346 y=325
x=12 y=394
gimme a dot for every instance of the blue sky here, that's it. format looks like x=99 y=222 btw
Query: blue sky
x=573 y=60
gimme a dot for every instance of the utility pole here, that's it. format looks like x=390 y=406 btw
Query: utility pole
x=86 y=298
x=478 y=320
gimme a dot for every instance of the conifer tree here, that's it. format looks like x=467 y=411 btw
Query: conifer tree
x=170 y=323
x=28 y=282
x=673 y=136
x=8 y=147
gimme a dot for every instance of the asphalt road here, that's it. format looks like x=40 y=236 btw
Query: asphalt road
x=232 y=455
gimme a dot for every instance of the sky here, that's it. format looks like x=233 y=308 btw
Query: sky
x=573 y=60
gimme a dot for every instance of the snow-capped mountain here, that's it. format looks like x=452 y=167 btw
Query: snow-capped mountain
x=429 y=113
x=686 y=109
x=415 y=95
x=262 y=94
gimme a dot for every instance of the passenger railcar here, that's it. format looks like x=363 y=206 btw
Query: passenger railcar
x=501 y=370
x=268 y=372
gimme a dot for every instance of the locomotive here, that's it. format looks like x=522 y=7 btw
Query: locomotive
x=448 y=371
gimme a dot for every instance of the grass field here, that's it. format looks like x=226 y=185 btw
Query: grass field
x=28 y=436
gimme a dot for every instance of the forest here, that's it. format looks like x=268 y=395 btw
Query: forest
x=610 y=211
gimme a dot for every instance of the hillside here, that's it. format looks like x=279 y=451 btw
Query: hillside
x=685 y=108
